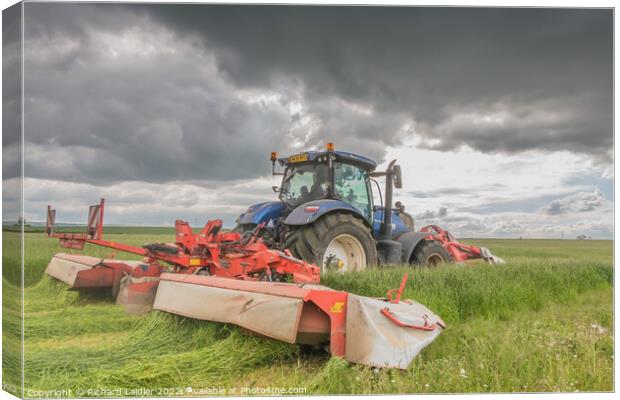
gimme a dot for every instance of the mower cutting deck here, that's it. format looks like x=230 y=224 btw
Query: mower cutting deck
x=66 y=267
x=378 y=332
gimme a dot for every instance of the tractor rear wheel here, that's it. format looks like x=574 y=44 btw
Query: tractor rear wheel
x=337 y=241
x=430 y=253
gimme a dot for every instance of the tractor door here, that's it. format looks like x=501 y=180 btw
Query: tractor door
x=304 y=182
x=352 y=185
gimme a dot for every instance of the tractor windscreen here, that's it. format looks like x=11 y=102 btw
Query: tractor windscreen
x=305 y=182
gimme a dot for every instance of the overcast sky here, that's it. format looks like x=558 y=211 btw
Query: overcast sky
x=501 y=118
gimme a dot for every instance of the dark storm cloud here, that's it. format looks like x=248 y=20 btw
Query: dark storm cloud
x=171 y=92
x=11 y=117
x=129 y=100
x=494 y=79
x=11 y=88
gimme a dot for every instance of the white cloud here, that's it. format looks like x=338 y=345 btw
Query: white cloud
x=493 y=195
x=141 y=203
x=576 y=203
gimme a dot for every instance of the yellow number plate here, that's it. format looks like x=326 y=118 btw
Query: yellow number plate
x=298 y=158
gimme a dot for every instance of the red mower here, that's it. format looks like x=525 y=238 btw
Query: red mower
x=235 y=277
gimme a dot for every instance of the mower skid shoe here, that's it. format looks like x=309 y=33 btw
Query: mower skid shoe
x=490 y=257
x=67 y=267
x=137 y=295
x=384 y=334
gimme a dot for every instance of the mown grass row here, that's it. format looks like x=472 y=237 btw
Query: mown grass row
x=156 y=350
x=11 y=337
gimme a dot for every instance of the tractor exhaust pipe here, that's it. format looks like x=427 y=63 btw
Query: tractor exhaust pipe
x=390 y=251
x=393 y=179
x=386 y=228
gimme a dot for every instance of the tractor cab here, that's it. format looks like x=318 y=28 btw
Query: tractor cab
x=317 y=183
x=334 y=175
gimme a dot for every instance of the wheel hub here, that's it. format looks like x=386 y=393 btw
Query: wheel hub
x=344 y=253
x=434 y=260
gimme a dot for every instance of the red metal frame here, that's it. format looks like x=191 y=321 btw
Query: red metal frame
x=399 y=291
x=217 y=253
x=460 y=252
x=426 y=327
x=395 y=300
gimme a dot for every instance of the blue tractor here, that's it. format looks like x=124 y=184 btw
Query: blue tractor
x=326 y=214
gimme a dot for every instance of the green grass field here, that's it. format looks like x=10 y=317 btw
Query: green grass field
x=543 y=322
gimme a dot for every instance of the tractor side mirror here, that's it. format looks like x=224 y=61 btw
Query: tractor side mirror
x=397 y=177
x=275 y=189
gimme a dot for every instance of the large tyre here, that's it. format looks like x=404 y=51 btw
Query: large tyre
x=337 y=241
x=430 y=253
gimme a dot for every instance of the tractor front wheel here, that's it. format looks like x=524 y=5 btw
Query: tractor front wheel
x=430 y=253
x=336 y=241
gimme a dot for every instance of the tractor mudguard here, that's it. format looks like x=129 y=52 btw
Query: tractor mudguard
x=398 y=225
x=409 y=241
x=261 y=212
x=309 y=212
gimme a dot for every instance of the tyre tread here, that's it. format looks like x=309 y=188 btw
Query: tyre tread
x=304 y=241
